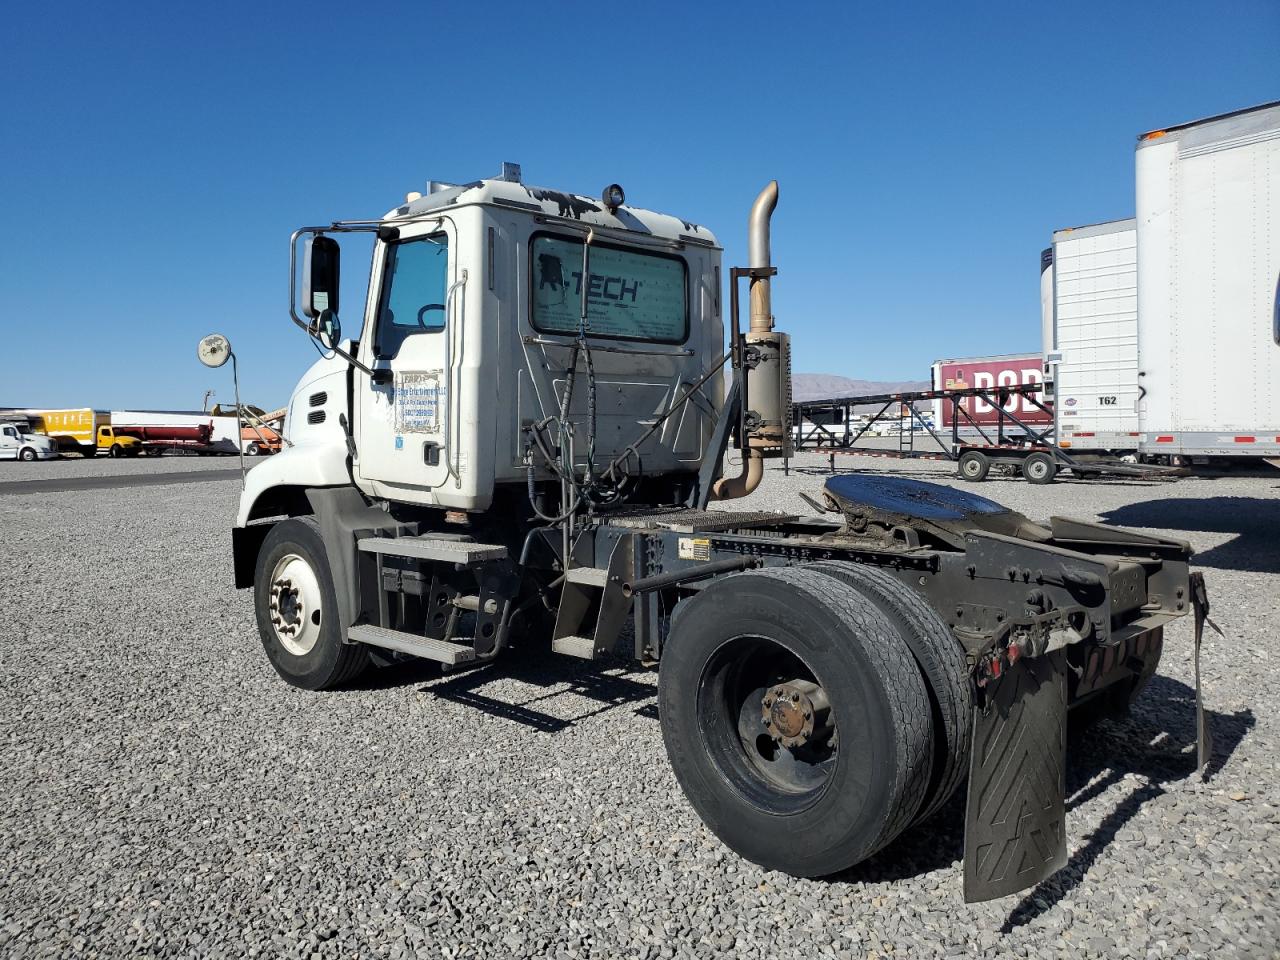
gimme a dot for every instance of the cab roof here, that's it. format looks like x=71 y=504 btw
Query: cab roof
x=555 y=205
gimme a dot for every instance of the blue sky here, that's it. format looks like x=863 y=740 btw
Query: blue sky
x=156 y=156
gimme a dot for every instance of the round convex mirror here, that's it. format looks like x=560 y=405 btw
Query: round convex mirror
x=214 y=350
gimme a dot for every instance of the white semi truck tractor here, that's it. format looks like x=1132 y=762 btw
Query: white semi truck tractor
x=526 y=444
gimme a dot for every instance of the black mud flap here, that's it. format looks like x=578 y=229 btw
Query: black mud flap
x=1014 y=831
x=1204 y=738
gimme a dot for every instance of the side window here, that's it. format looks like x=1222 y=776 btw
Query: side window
x=415 y=282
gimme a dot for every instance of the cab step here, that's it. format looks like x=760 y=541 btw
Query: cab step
x=592 y=576
x=439 y=650
x=584 y=648
x=438 y=549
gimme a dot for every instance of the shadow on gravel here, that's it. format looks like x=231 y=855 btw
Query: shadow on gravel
x=1254 y=520
x=1156 y=743
x=527 y=666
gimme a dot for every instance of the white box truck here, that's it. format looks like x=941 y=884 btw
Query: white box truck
x=1089 y=291
x=1208 y=205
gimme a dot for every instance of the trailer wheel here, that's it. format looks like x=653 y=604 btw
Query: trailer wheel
x=1039 y=468
x=252 y=450
x=795 y=719
x=942 y=663
x=974 y=466
x=297 y=609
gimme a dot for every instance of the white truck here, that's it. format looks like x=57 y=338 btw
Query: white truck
x=524 y=444
x=1089 y=304
x=19 y=442
x=1208 y=229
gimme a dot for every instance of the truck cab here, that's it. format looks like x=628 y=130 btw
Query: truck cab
x=18 y=442
x=471 y=326
x=117 y=445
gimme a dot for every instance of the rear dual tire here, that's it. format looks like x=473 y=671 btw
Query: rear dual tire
x=943 y=667
x=828 y=803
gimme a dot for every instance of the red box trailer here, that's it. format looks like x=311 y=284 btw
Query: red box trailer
x=989 y=372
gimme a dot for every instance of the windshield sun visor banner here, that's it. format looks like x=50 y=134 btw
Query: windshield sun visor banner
x=630 y=295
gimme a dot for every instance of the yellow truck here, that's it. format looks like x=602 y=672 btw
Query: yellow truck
x=87 y=431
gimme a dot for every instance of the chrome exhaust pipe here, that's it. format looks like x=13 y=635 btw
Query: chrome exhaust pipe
x=768 y=395
x=758 y=257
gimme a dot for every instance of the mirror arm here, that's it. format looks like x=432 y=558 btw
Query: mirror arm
x=293 y=282
x=380 y=227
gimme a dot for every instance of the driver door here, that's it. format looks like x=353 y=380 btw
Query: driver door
x=403 y=423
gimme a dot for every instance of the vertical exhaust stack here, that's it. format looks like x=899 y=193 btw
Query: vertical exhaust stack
x=766 y=360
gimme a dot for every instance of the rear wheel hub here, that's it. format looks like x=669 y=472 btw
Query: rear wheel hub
x=796 y=713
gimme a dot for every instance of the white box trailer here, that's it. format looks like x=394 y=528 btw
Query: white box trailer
x=1208 y=205
x=1089 y=291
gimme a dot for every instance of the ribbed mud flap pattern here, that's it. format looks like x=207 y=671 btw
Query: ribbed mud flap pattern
x=1014 y=834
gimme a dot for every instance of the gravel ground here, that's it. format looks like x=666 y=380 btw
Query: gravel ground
x=164 y=793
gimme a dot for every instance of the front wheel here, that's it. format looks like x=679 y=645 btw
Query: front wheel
x=252 y=450
x=116 y=451
x=27 y=454
x=795 y=719
x=297 y=609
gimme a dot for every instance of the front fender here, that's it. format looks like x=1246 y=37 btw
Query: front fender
x=317 y=463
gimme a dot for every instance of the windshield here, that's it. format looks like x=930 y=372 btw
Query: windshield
x=630 y=295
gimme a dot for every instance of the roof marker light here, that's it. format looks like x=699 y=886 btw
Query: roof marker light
x=613 y=197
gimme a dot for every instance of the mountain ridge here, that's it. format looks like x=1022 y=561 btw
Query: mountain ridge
x=819 y=386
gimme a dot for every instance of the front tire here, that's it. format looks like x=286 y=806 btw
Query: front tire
x=297 y=608
x=116 y=452
x=27 y=454
x=795 y=719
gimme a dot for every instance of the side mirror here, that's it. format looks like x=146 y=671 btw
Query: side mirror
x=320 y=275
